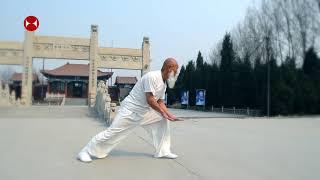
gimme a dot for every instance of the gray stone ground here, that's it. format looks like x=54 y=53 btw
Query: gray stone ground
x=42 y=143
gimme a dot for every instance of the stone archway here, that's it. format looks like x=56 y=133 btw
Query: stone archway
x=50 y=47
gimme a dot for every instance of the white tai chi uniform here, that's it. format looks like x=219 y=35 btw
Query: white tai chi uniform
x=135 y=111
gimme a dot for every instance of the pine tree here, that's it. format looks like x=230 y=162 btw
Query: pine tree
x=180 y=84
x=226 y=71
x=199 y=74
x=311 y=70
x=260 y=87
x=190 y=80
x=246 y=83
x=311 y=65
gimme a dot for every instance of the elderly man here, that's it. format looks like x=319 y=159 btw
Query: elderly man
x=145 y=107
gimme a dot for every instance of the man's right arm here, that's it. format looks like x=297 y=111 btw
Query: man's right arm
x=155 y=105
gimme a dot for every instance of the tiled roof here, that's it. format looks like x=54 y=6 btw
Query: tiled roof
x=18 y=77
x=126 y=80
x=73 y=70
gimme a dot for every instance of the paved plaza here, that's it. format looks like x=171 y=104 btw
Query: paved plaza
x=42 y=143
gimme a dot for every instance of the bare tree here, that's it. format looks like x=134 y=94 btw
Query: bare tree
x=265 y=25
x=306 y=21
x=292 y=26
x=278 y=21
x=301 y=22
x=287 y=31
x=246 y=36
x=214 y=55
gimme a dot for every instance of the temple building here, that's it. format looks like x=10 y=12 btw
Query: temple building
x=16 y=81
x=124 y=85
x=71 y=80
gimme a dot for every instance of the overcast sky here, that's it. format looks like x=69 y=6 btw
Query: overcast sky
x=176 y=28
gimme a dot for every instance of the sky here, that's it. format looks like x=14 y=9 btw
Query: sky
x=176 y=28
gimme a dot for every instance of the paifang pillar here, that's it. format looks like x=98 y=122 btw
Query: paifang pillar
x=145 y=56
x=26 y=85
x=93 y=58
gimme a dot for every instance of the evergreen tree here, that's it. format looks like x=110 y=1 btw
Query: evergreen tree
x=180 y=84
x=246 y=84
x=260 y=79
x=289 y=78
x=207 y=80
x=311 y=69
x=190 y=80
x=311 y=65
x=238 y=82
x=199 y=75
x=226 y=71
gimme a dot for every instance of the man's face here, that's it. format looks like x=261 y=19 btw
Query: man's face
x=169 y=70
x=174 y=69
x=172 y=75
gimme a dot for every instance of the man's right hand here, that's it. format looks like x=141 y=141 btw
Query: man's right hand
x=164 y=115
x=170 y=118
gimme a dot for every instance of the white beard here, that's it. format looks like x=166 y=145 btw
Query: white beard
x=172 y=80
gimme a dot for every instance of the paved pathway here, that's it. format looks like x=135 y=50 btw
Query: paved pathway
x=42 y=143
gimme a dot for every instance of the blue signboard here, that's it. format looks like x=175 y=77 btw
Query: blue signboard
x=200 y=97
x=185 y=97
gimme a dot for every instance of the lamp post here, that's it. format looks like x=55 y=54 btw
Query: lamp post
x=268 y=74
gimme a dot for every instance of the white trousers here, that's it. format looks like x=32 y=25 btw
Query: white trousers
x=123 y=124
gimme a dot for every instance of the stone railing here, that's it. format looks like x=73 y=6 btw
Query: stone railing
x=103 y=106
x=55 y=99
x=7 y=98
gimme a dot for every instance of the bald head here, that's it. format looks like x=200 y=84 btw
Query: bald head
x=169 y=65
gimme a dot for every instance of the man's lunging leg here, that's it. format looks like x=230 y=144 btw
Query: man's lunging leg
x=102 y=143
